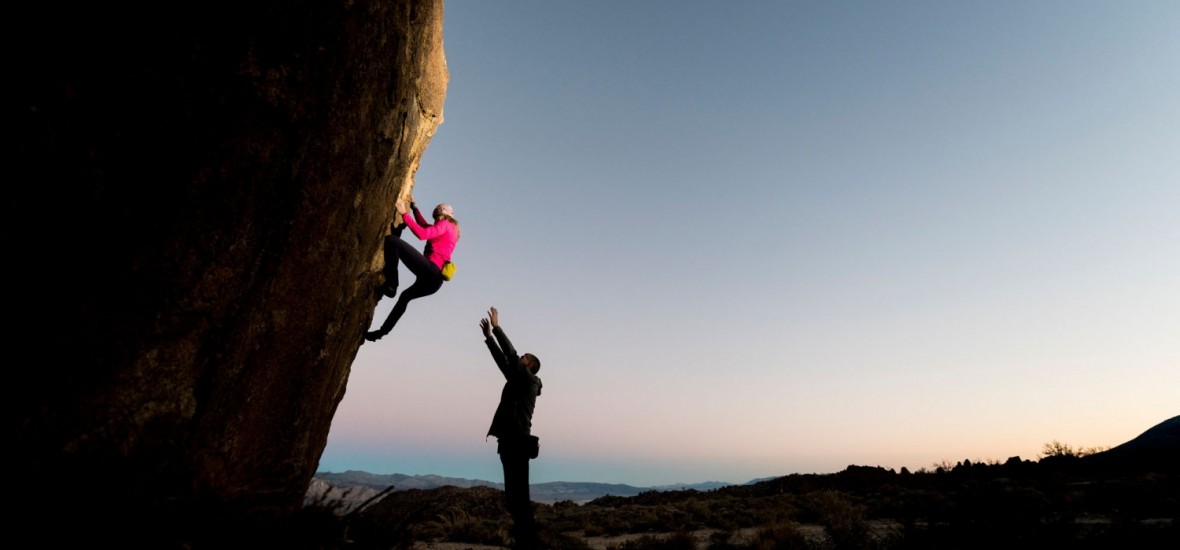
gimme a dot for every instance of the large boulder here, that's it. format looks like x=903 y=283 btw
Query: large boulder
x=200 y=195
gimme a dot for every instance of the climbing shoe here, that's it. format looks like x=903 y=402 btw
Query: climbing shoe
x=374 y=335
x=387 y=291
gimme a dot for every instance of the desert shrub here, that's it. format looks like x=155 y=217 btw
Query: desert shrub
x=780 y=536
x=677 y=540
x=593 y=530
x=613 y=524
x=721 y=540
x=731 y=514
x=843 y=521
x=460 y=526
x=1058 y=449
x=661 y=518
x=556 y=540
x=680 y=540
x=697 y=512
x=725 y=522
x=769 y=511
x=564 y=518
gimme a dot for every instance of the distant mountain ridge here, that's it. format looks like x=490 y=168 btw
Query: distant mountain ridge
x=355 y=485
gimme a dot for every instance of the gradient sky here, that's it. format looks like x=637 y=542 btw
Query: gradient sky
x=753 y=238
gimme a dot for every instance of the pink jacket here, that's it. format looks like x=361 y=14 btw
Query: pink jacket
x=440 y=238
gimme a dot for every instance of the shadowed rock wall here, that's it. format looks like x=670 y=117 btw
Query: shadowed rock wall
x=200 y=194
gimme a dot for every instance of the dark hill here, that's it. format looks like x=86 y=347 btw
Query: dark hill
x=1157 y=449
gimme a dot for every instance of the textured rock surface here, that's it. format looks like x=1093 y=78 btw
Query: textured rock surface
x=200 y=193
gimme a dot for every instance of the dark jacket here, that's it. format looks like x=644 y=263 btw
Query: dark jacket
x=514 y=415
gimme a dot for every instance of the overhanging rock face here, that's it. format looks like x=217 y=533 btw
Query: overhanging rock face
x=199 y=199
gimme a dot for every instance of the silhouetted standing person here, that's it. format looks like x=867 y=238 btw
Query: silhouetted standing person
x=512 y=426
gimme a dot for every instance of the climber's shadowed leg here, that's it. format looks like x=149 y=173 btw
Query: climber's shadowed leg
x=428 y=279
x=393 y=245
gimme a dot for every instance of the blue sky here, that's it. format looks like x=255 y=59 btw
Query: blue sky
x=749 y=238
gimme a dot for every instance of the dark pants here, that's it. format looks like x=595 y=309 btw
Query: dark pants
x=428 y=278
x=515 y=459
